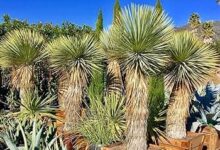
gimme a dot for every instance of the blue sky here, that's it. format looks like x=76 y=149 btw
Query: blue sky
x=85 y=11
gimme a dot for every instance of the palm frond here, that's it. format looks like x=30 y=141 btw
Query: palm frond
x=191 y=62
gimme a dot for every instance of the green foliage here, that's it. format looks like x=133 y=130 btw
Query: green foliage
x=34 y=106
x=99 y=24
x=97 y=83
x=157 y=109
x=48 y=30
x=117 y=10
x=191 y=61
x=104 y=123
x=139 y=40
x=71 y=53
x=37 y=139
x=21 y=47
x=205 y=108
x=158 y=6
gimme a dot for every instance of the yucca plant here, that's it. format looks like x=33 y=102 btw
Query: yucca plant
x=104 y=122
x=75 y=58
x=35 y=106
x=139 y=41
x=191 y=64
x=114 y=81
x=194 y=22
x=208 y=32
x=20 y=50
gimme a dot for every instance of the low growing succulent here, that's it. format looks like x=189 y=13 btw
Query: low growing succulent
x=38 y=138
x=205 y=109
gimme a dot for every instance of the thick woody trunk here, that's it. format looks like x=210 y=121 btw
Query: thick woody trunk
x=73 y=100
x=114 y=78
x=177 y=113
x=22 y=79
x=136 y=111
x=62 y=89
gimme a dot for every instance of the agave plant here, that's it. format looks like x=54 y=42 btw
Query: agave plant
x=104 y=123
x=20 y=51
x=75 y=58
x=191 y=63
x=139 y=41
x=206 y=108
x=36 y=141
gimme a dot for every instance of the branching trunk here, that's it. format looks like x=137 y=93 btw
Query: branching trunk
x=136 y=111
x=114 y=78
x=177 y=113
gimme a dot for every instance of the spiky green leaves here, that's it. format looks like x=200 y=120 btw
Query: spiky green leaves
x=140 y=38
x=21 y=48
x=191 y=61
x=70 y=53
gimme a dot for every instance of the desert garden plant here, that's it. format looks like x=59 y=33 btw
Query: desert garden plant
x=139 y=42
x=206 y=108
x=114 y=81
x=20 y=51
x=156 y=123
x=36 y=140
x=75 y=59
x=104 y=122
x=34 y=106
x=191 y=63
x=194 y=22
x=208 y=32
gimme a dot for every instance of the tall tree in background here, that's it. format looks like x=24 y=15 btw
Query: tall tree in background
x=158 y=6
x=97 y=82
x=194 y=22
x=99 y=24
x=117 y=10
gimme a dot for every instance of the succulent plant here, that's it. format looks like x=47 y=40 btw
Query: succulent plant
x=205 y=110
x=39 y=138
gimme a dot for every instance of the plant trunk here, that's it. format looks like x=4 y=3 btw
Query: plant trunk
x=177 y=113
x=62 y=89
x=73 y=100
x=22 y=79
x=114 y=78
x=136 y=111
